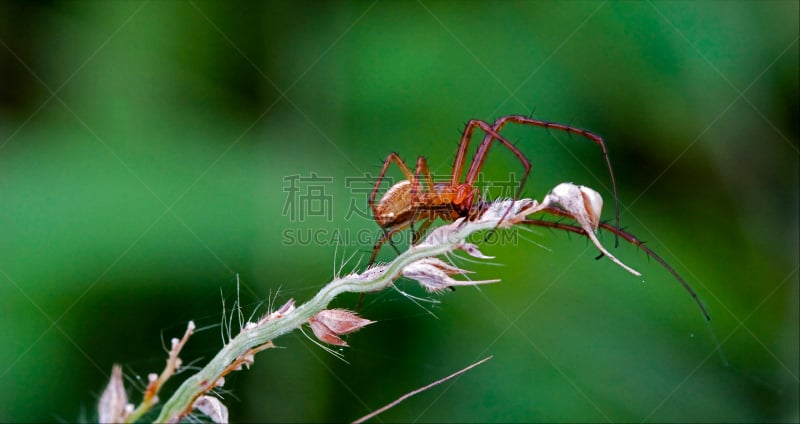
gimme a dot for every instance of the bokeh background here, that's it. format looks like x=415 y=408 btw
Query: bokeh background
x=147 y=153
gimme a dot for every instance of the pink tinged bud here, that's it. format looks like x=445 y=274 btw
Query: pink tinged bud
x=371 y=273
x=342 y=321
x=325 y=334
x=283 y=310
x=114 y=401
x=212 y=407
x=286 y=308
x=329 y=324
x=434 y=274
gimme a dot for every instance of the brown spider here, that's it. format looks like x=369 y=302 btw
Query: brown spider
x=408 y=202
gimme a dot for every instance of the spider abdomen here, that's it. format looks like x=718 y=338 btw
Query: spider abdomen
x=401 y=205
x=396 y=206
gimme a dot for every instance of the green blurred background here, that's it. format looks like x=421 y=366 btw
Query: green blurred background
x=144 y=156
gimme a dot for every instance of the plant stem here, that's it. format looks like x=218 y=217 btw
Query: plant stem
x=374 y=279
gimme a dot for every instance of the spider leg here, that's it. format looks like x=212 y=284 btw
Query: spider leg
x=477 y=162
x=422 y=212
x=483 y=149
x=630 y=238
x=421 y=231
x=458 y=164
x=423 y=173
x=393 y=157
x=387 y=236
x=480 y=156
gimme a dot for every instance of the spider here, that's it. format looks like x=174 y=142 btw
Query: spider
x=410 y=201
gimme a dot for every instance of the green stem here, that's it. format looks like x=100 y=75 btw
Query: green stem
x=180 y=404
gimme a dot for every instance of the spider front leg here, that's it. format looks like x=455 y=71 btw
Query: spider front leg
x=483 y=149
x=630 y=238
x=480 y=155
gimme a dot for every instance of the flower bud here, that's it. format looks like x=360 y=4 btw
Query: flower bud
x=212 y=407
x=114 y=401
x=434 y=274
x=327 y=325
